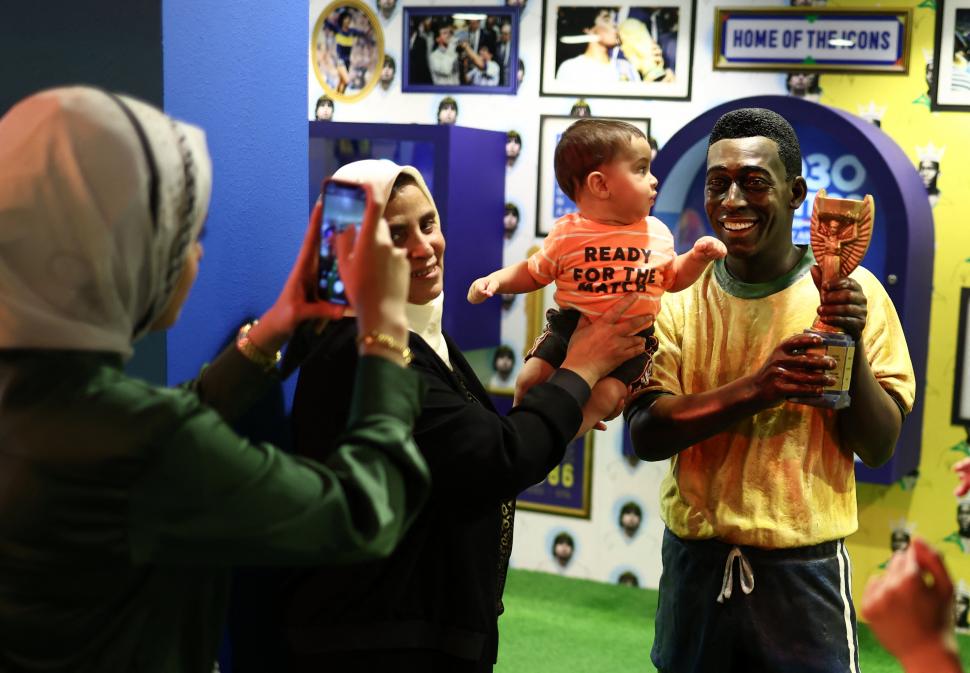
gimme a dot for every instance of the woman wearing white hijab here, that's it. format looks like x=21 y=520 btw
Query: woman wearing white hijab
x=122 y=505
x=434 y=604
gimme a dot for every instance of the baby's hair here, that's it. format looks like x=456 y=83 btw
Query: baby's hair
x=587 y=145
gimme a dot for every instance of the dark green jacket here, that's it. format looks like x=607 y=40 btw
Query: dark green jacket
x=123 y=505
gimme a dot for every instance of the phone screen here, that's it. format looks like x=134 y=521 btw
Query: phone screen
x=343 y=206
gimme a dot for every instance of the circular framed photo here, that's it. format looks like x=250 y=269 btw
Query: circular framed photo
x=347 y=50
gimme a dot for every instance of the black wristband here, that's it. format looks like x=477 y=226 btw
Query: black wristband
x=572 y=383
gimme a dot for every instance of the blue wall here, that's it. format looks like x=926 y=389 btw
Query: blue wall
x=237 y=68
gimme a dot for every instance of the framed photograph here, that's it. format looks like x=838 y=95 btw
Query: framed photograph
x=347 y=50
x=460 y=49
x=567 y=489
x=950 y=90
x=812 y=39
x=552 y=201
x=582 y=54
x=961 y=378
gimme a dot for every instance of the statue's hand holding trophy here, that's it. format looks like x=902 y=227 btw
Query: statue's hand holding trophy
x=841 y=230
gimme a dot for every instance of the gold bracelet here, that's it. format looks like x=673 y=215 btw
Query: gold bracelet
x=252 y=352
x=388 y=342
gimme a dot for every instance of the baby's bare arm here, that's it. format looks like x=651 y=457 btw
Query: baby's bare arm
x=689 y=266
x=514 y=279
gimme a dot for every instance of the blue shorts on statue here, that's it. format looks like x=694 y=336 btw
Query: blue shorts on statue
x=798 y=616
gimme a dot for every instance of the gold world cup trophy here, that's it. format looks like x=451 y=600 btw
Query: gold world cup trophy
x=841 y=230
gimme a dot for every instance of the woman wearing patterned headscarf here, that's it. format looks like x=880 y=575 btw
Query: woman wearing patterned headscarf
x=433 y=605
x=122 y=504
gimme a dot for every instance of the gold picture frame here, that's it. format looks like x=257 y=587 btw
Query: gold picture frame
x=813 y=39
x=347 y=50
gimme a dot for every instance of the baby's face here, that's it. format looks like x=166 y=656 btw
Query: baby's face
x=633 y=188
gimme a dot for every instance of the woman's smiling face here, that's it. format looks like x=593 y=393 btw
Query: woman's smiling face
x=414 y=226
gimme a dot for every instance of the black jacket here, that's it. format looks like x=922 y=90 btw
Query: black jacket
x=441 y=588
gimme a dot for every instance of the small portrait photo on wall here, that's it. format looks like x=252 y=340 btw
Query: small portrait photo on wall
x=899 y=537
x=323 y=112
x=803 y=85
x=961 y=608
x=503 y=368
x=447 y=111
x=930 y=156
x=580 y=109
x=388 y=70
x=513 y=147
x=386 y=8
x=961 y=537
x=630 y=518
x=510 y=221
x=627 y=578
x=508 y=300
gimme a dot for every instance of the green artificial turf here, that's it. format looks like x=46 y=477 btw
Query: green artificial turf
x=555 y=624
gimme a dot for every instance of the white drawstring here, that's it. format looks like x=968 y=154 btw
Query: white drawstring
x=745 y=575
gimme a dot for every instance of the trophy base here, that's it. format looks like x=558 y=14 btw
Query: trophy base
x=841 y=348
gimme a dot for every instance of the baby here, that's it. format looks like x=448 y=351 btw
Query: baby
x=610 y=248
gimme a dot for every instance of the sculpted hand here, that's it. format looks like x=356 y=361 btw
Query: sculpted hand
x=962 y=468
x=709 y=248
x=482 y=289
x=597 y=348
x=791 y=372
x=910 y=607
x=843 y=304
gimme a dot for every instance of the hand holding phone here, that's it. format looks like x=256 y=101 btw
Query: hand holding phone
x=344 y=205
x=376 y=278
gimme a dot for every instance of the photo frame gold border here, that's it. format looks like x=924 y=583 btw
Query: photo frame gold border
x=680 y=90
x=378 y=34
x=902 y=14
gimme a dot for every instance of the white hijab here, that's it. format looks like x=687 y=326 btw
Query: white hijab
x=100 y=197
x=423 y=319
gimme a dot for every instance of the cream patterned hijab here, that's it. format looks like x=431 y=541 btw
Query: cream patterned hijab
x=423 y=319
x=100 y=197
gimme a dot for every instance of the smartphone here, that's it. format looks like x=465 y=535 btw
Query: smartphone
x=344 y=204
